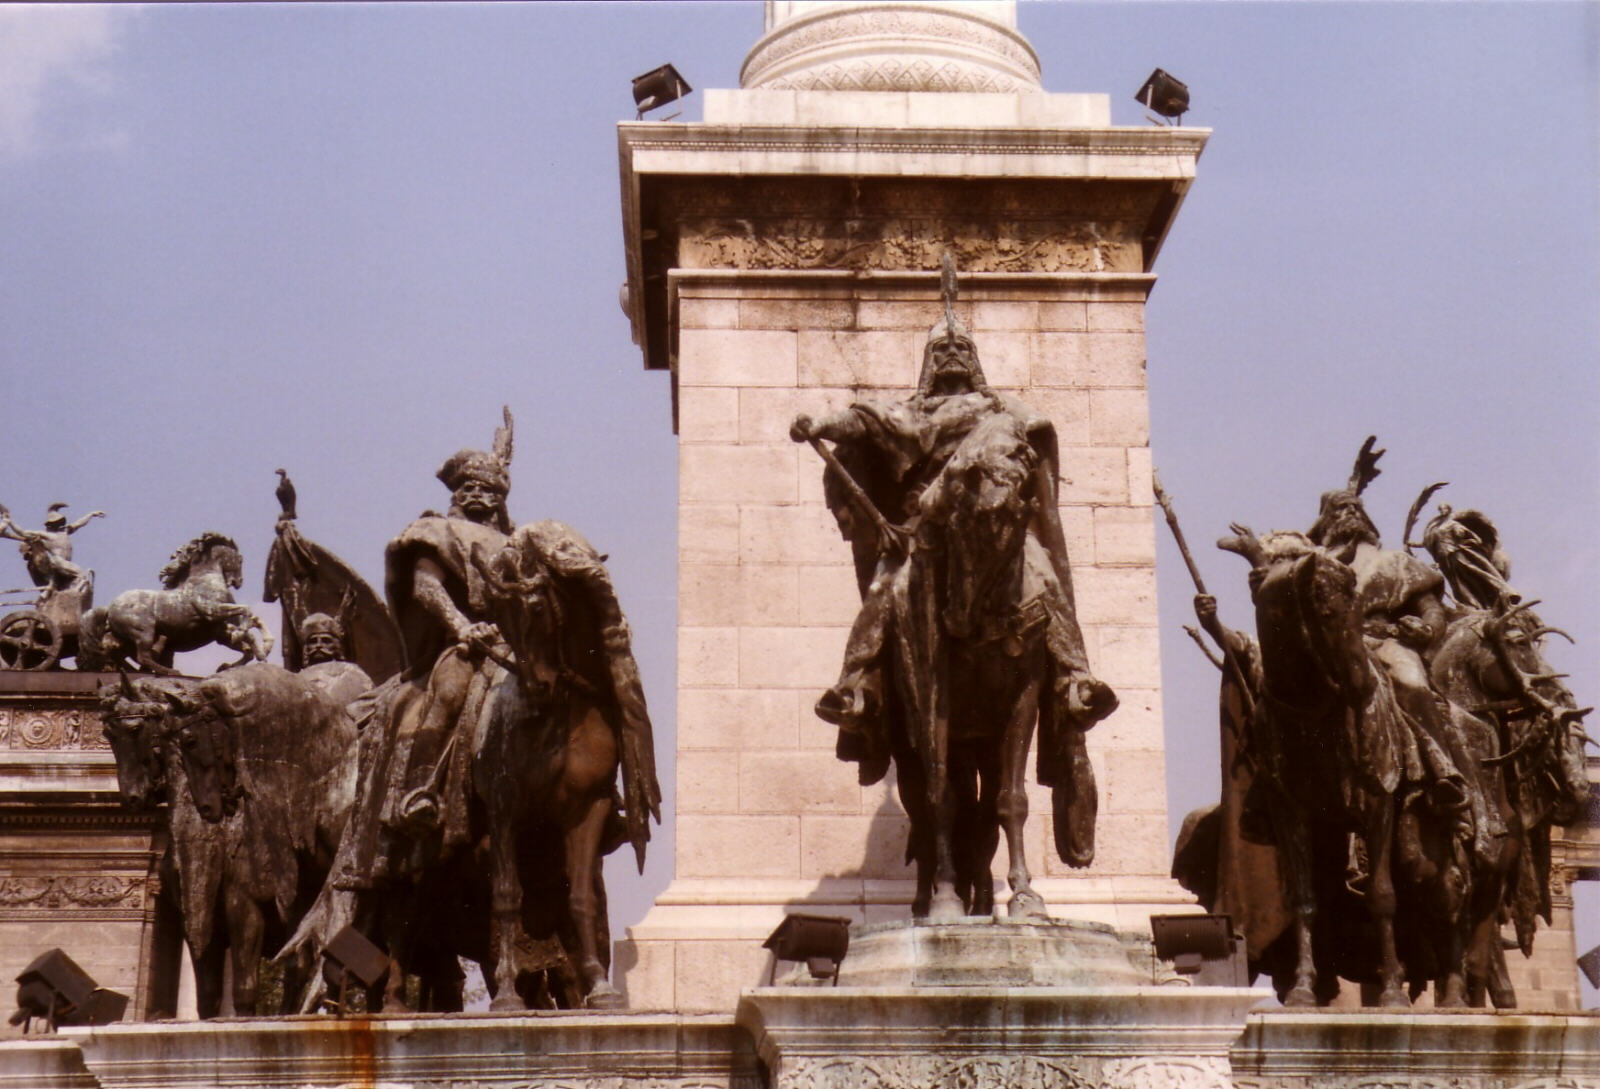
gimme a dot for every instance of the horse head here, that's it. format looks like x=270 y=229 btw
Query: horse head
x=209 y=552
x=521 y=601
x=1308 y=617
x=135 y=719
x=984 y=498
x=206 y=745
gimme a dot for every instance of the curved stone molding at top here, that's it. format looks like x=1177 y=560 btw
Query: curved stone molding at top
x=889 y=46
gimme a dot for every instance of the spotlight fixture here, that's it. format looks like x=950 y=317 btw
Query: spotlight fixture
x=1589 y=964
x=58 y=992
x=351 y=959
x=1201 y=946
x=819 y=940
x=657 y=87
x=1165 y=95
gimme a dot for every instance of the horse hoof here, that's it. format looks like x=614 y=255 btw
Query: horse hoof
x=1394 y=998
x=1301 y=996
x=508 y=1003
x=1027 y=904
x=946 y=908
x=605 y=997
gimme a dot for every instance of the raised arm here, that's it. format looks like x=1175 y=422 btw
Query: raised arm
x=841 y=426
x=85 y=520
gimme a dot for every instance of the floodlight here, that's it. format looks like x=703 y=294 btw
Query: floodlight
x=1589 y=963
x=54 y=989
x=351 y=958
x=1165 y=95
x=819 y=940
x=657 y=87
x=1202 y=946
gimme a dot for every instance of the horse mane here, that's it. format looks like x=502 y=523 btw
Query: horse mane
x=177 y=569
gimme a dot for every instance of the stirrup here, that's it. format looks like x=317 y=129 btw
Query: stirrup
x=419 y=812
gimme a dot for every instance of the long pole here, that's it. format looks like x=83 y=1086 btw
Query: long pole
x=1229 y=659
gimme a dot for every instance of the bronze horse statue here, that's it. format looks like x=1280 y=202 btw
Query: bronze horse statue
x=250 y=764
x=969 y=674
x=563 y=714
x=194 y=607
x=1491 y=662
x=1327 y=746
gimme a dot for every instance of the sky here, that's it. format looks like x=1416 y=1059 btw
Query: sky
x=337 y=238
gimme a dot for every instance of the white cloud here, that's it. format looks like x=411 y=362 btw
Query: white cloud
x=43 y=50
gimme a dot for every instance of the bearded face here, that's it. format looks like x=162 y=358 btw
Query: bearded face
x=323 y=646
x=478 y=501
x=952 y=366
x=1344 y=522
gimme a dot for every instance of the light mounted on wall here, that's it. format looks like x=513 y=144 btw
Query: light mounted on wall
x=351 y=959
x=656 y=88
x=1202 y=947
x=1165 y=95
x=53 y=989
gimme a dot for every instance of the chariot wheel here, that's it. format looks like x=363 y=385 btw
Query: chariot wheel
x=29 y=641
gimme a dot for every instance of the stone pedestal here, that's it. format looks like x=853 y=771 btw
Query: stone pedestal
x=995 y=1037
x=1281 y=1049
x=78 y=871
x=782 y=257
x=521 y=1051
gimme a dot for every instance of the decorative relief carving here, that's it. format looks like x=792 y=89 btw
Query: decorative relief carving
x=575 y=1081
x=1401 y=1081
x=905 y=243
x=939 y=1072
x=66 y=893
x=1165 y=1073
x=31 y=730
x=976 y=55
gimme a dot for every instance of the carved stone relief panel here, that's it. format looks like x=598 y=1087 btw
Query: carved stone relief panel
x=30 y=729
x=59 y=893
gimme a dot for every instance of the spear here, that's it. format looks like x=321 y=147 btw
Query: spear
x=892 y=537
x=1230 y=661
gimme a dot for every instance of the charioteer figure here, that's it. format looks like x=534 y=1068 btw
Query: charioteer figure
x=48 y=551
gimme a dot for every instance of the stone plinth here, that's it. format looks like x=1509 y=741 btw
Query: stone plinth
x=78 y=871
x=1281 y=1049
x=43 y=1062
x=525 y=1051
x=995 y=1037
x=990 y=952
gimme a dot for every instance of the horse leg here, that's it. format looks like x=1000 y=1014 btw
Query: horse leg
x=208 y=973
x=583 y=862
x=978 y=832
x=505 y=910
x=1381 y=900
x=1294 y=850
x=1013 y=802
x=919 y=841
x=245 y=929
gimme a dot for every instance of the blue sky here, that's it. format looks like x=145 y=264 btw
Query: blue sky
x=337 y=238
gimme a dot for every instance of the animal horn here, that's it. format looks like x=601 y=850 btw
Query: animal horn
x=1366 y=467
x=127 y=684
x=1416 y=509
x=502 y=438
x=1540 y=632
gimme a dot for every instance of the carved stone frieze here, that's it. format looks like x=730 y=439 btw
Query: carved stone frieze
x=890 y=244
x=1146 y=1072
x=62 y=893
x=1417 y=1081
x=588 y=1081
x=932 y=1071
x=29 y=729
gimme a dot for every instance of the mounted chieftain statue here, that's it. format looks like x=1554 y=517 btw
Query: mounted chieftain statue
x=967 y=635
x=1402 y=747
x=519 y=702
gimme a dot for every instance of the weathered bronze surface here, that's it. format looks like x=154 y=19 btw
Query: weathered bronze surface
x=485 y=775
x=967 y=635
x=1404 y=754
x=45 y=630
